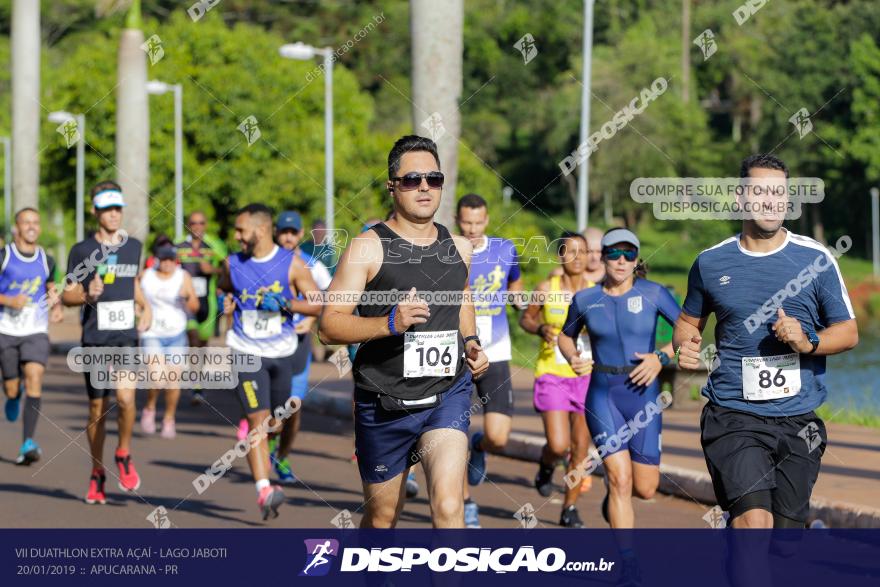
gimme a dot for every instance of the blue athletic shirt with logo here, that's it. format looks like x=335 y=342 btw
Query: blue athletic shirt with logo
x=620 y=326
x=265 y=334
x=28 y=275
x=743 y=288
x=494 y=265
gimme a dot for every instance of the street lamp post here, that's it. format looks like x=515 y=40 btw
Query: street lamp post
x=303 y=52
x=875 y=232
x=159 y=88
x=583 y=207
x=60 y=117
x=7 y=189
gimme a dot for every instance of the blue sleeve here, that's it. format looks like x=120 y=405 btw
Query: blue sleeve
x=834 y=304
x=667 y=306
x=696 y=303
x=513 y=272
x=574 y=320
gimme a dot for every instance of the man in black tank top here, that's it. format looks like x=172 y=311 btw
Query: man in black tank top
x=408 y=279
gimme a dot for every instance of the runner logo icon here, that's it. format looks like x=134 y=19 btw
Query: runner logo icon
x=318 y=556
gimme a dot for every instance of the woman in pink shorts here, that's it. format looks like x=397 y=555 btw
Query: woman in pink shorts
x=559 y=392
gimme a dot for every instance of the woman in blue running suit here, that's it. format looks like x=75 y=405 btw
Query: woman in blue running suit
x=623 y=402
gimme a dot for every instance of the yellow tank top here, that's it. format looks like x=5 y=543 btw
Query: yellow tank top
x=550 y=360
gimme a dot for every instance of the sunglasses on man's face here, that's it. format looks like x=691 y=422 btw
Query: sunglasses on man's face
x=615 y=254
x=412 y=181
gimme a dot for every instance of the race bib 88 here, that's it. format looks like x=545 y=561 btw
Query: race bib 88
x=116 y=315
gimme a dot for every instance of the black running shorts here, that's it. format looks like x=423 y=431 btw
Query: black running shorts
x=495 y=390
x=267 y=388
x=17 y=350
x=778 y=456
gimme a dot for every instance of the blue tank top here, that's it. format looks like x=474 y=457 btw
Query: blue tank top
x=254 y=331
x=20 y=275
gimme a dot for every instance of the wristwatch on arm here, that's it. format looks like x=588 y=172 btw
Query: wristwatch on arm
x=812 y=337
x=664 y=358
x=473 y=337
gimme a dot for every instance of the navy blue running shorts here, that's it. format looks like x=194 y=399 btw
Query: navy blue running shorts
x=386 y=441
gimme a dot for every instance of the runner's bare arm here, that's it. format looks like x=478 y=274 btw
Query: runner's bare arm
x=359 y=263
x=188 y=293
x=77 y=294
x=56 y=313
x=531 y=321
x=477 y=361
x=301 y=282
x=15 y=302
x=837 y=338
x=466 y=316
x=568 y=348
x=686 y=338
x=515 y=287
x=73 y=293
x=224 y=281
x=146 y=317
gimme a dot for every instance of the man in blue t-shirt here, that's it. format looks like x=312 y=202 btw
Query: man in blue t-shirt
x=781 y=306
x=494 y=274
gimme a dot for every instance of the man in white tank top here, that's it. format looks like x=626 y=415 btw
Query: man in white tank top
x=170 y=293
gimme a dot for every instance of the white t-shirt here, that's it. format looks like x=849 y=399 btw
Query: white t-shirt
x=164 y=297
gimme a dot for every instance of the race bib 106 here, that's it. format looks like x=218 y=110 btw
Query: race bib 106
x=773 y=377
x=430 y=354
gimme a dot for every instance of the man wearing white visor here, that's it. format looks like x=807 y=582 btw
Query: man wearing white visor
x=102 y=278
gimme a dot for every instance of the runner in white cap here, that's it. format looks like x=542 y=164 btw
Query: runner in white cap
x=102 y=278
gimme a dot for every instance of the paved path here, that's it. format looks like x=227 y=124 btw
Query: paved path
x=850 y=468
x=49 y=493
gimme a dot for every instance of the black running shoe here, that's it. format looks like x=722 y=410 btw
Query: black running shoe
x=544 y=480
x=570 y=518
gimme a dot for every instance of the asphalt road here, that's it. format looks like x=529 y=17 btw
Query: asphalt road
x=49 y=494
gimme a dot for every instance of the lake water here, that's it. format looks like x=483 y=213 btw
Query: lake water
x=853 y=378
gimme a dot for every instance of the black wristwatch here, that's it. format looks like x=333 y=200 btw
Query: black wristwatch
x=664 y=358
x=473 y=337
x=812 y=337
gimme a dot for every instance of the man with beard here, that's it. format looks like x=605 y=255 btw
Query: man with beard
x=762 y=440
x=265 y=280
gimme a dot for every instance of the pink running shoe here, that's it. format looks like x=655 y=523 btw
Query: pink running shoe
x=270 y=500
x=129 y=480
x=148 y=421
x=169 y=429
x=242 y=429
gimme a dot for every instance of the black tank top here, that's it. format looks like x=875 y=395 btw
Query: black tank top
x=379 y=363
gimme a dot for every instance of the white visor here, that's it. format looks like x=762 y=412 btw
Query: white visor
x=108 y=198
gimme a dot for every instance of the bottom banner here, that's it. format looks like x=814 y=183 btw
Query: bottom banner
x=709 y=558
